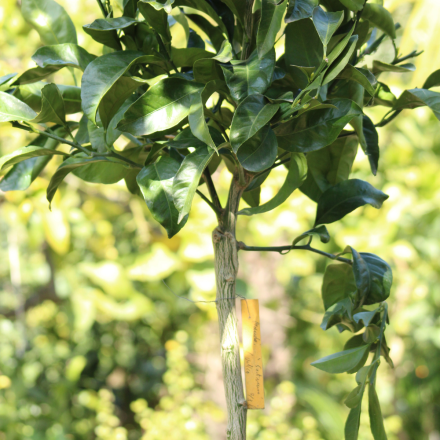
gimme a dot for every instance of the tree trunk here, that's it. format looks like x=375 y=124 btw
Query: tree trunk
x=226 y=268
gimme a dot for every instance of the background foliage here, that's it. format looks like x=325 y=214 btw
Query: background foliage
x=94 y=345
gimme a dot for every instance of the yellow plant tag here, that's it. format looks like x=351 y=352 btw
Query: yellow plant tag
x=253 y=364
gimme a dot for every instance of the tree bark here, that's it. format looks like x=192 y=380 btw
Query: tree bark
x=226 y=268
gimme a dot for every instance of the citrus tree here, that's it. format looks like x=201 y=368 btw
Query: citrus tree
x=254 y=86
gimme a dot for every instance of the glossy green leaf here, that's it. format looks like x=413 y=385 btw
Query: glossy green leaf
x=418 y=98
x=158 y=5
x=27 y=153
x=319 y=232
x=52 y=106
x=12 y=109
x=433 y=80
x=339 y=64
x=185 y=139
x=340 y=47
x=50 y=20
x=383 y=96
x=326 y=24
x=104 y=30
x=186 y=57
x=345 y=197
x=316 y=128
x=380 y=17
x=6 y=81
x=294 y=179
x=329 y=166
x=260 y=151
x=156 y=184
x=161 y=107
x=353 y=5
x=303 y=47
x=361 y=274
x=353 y=423
x=371 y=143
x=342 y=361
x=158 y=20
x=338 y=284
x=380 y=66
x=365 y=317
x=251 y=76
x=337 y=314
x=69 y=165
x=299 y=9
x=376 y=419
x=252 y=114
x=272 y=12
x=187 y=179
x=362 y=76
x=208 y=69
x=252 y=198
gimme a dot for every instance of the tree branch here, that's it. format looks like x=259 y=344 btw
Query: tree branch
x=212 y=191
x=281 y=249
x=214 y=208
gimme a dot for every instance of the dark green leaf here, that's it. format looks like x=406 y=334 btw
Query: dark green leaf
x=338 y=284
x=251 y=76
x=433 y=80
x=303 y=47
x=383 y=96
x=342 y=361
x=52 y=106
x=380 y=66
x=156 y=184
x=326 y=24
x=158 y=20
x=50 y=20
x=186 y=139
x=251 y=115
x=376 y=419
x=355 y=397
x=339 y=48
x=316 y=129
x=372 y=143
x=272 y=12
x=106 y=172
x=337 y=313
x=418 y=98
x=186 y=57
x=381 y=278
x=319 y=232
x=295 y=177
x=6 y=81
x=355 y=341
x=362 y=76
x=365 y=317
x=260 y=151
x=353 y=5
x=158 y=5
x=27 y=153
x=299 y=9
x=345 y=197
x=361 y=274
x=187 y=179
x=104 y=30
x=380 y=17
x=252 y=198
x=353 y=423
x=12 y=109
x=208 y=69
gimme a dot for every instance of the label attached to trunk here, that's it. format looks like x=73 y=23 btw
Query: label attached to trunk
x=253 y=363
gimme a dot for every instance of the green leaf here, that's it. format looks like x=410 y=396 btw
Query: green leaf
x=105 y=87
x=355 y=397
x=342 y=361
x=329 y=166
x=12 y=109
x=250 y=116
x=380 y=66
x=337 y=313
x=353 y=5
x=380 y=17
x=319 y=232
x=365 y=317
x=50 y=20
x=158 y=5
x=186 y=57
x=316 y=129
x=345 y=197
x=104 y=30
x=52 y=106
x=299 y=9
x=68 y=166
x=252 y=198
x=187 y=179
x=376 y=419
x=6 y=81
x=186 y=139
x=433 y=80
x=294 y=179
x=353 y=423
x=27 y=153
x=336 y=68
x=156 y=184
x=303 y=47
x=418 y=98
x=383 y=96
x=361 y=273
x=372 y=143
x=251 y=76
x=158 y=20
x=339 y=48
x=362 y=76
x=208 y=69
x=272 y=12
x=338 y=284
x=260 y=151
x=326 y=24
x=161 y=107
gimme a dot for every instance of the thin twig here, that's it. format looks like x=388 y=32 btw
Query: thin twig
x=211 y=188
x=285 y=249
x=214 y=208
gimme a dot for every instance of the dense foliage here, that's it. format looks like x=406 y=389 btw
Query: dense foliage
x=253 y=114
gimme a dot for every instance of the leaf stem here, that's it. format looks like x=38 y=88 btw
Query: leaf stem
x=212 y=191
x=285 y=249
x=214 y=208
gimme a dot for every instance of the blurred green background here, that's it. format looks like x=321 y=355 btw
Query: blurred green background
x=94 y=345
